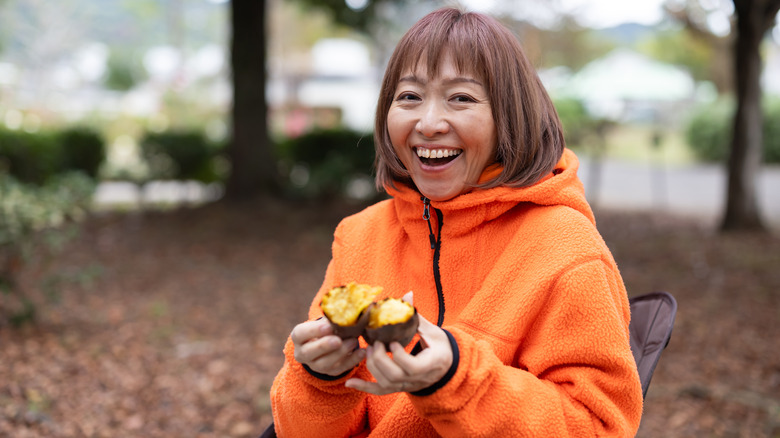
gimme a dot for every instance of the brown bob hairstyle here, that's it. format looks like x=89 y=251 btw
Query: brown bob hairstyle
x=528 y=131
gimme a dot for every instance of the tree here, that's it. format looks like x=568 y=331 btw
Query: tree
x=567 y=44
x=253 y=170
x=750 y=24
x=695 y=18
x=754 y=18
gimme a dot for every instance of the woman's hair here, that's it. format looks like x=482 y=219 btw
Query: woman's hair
x=528 y=131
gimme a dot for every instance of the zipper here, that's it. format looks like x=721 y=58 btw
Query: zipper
x=436 y=247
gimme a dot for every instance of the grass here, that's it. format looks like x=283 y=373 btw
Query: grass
x=635 y=142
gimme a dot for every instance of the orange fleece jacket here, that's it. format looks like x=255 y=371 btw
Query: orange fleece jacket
x=531 y=295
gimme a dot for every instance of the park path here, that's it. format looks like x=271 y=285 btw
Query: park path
x=695 y=190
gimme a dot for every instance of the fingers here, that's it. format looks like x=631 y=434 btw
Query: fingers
x=386 y=372
x=346 y=357
x=317 y=347
x=389 y=378
x=427 y=329
x=404 y=372
x=375 y=388
x=330 y=355
x=308 y=330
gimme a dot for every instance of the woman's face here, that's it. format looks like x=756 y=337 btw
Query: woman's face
x=442 y=129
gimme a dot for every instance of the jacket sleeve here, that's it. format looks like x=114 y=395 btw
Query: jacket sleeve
x=573 y=373
x=304 y=405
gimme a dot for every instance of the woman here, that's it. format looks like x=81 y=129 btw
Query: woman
x=524 y=315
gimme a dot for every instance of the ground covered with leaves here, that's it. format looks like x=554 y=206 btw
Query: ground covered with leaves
x=171 y=324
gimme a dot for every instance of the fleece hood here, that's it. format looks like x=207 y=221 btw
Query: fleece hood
x=561 y=187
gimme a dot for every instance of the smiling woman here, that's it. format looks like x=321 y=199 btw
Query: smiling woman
x=441 y=128
x=463 y=85
x=522 y=317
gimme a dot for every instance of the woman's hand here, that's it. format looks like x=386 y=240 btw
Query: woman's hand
x=403 y=372
x=323 y=352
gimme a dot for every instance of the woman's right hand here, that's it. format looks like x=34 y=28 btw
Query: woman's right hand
x=323 y=352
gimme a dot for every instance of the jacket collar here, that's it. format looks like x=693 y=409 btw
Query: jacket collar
x=466 y=211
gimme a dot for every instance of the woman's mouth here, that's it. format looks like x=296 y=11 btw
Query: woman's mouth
x=436 y=156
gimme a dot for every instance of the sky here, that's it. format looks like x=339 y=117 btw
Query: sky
x=607 y=13
x=597 y=13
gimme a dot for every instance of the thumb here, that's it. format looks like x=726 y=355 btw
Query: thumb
x=424 y=326
x=409 y=297
x=431 y=334
x=428 y=331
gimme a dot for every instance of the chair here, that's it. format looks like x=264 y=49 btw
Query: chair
x=652 y=319
x=269 y=432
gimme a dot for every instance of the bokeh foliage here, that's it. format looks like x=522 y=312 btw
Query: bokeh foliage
x=709 y=129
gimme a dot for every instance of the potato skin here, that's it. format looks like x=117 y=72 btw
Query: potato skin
x=402 y=332
x=352 y=331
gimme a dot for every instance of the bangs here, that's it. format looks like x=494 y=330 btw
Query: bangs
x=431 y=44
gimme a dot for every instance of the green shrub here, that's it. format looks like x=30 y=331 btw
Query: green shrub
x=331 y=158
x=34 y=158
x=182 y=155
x=709 y=131
x=772 y=131
x=28 y=209
x=577 y=123
x=83 y=150
x=30 y=157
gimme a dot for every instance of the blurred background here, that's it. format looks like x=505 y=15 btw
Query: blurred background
x=171 y=172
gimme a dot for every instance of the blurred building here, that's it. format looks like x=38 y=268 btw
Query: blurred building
x=626 y=86
x=335 y=85
x=771 y=74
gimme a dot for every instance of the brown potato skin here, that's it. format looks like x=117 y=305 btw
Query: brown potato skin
x=354 y=330
x=402 y=332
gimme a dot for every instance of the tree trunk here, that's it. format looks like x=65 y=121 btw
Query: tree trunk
x=253 y=170
x=742 y=210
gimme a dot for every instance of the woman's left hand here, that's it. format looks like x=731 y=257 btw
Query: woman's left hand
x=403 y=372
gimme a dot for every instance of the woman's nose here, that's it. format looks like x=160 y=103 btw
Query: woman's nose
x=432 y=120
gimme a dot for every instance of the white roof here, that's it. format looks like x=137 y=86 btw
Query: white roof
x=629 y=76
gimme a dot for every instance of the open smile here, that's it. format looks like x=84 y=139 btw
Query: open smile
x=436 y=156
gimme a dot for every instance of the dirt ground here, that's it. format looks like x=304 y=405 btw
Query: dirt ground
x=171 y=324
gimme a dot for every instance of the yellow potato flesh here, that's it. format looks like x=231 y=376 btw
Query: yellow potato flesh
x=390 y=311
x=343 y=305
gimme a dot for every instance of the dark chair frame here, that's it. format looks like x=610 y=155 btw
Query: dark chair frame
x=652 y=321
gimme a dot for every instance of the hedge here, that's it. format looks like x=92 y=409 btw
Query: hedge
x=182 y=155
x=709 y=131
x=331 y=159
x=34 y=158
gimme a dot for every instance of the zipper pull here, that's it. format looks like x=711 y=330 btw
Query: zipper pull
x=427 y=218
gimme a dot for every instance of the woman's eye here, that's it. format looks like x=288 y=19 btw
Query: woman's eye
x=407 y=97
x=460 y=98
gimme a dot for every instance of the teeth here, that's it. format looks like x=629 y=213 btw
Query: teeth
x=437 y=153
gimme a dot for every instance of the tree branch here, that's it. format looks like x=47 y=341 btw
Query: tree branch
x=697 y=28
